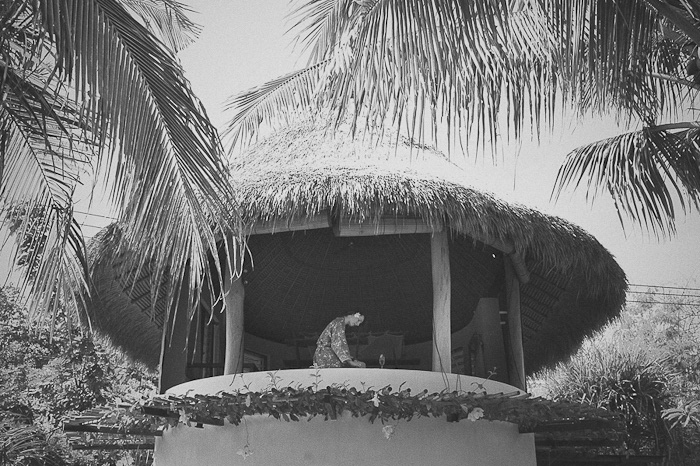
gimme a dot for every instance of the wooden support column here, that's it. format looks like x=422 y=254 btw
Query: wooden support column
x=173 y=349
x=233 y=299
x=442 y=289
x=233 y=362
x=516 y=360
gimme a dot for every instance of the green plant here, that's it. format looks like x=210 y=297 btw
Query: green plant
x=47 y=375
x=683 y=415
x=622 y=378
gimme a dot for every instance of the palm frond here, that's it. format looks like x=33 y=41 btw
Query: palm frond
x=412 y=62
x=44 y=158
x=463 y=64
x=273 y=101
x=321 y=24
x=158 y=150
x=168 y=19
x=27 y=444
x=466 y=64
x=646 y=172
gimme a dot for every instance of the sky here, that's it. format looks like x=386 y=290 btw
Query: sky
x=244 y=43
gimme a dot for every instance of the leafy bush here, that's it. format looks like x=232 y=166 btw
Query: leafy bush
x=49 y=373
x=646 y=366
x=619 y=378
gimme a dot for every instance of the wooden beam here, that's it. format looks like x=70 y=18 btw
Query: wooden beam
x=519 y=267
x=408 y=226
x=516 y=360
x=557 y=456
x=321 y=220
x=114 y=446
x=502 y=245
x=385 y=226
x=67 y=427
x=508 y=249
x=576 y=442
x=442 y=290
x=571 y=426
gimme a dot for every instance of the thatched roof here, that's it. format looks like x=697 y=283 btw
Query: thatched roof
x=298 y=281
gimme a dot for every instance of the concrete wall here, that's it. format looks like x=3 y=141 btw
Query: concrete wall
x=348 y=440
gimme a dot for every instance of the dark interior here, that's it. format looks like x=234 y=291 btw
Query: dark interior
x=297 y=282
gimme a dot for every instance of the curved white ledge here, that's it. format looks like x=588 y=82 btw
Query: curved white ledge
x=346 y=441
x=361 y=379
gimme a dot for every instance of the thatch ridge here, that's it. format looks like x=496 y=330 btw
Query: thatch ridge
x=303 y=170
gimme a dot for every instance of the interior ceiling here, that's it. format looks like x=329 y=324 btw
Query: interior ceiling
x=300 y=281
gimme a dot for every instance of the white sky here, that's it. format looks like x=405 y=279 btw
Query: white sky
x=243 y=44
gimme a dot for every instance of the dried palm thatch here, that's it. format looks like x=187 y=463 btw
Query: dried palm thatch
x=297 y=281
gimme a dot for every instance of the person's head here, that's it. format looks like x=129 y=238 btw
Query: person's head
x=354 y=320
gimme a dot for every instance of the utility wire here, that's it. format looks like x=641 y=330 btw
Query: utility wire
x=94 y=215
x=669 y=287
x=661 y=302
x=665 y=294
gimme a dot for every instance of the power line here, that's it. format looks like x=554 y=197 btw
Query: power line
x=91 y=226
x=669 y=287
x=662 y=302
x=666 y=294
x=95 y=215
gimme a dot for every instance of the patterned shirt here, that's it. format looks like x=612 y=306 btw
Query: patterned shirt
x=332 y=347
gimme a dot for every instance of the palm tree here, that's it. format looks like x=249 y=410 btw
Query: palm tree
x=90 y=88
x=488 y=69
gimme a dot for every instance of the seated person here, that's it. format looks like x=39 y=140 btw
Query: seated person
x=332 y=346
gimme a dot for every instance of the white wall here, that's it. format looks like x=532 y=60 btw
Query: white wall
x=348 y=440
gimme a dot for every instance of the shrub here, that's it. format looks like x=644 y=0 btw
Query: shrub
x=622 y=378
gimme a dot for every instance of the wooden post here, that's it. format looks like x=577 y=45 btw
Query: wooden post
x=442 y=289
x=516 y=359
x=173 y=350
x=233 y=300
x=487 y=325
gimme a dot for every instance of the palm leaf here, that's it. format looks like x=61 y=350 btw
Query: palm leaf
x=646 y=172
x=26 y=444
x=321 y=24
x=401 y=62
x=464 y=65
x=168 y=19
x=43 y=160
x=289 y=93
x=163 y=157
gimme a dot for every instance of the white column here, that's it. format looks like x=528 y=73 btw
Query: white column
x=515 y=330
x=442 y=289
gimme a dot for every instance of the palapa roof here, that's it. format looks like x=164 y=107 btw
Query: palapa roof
x=297 y=281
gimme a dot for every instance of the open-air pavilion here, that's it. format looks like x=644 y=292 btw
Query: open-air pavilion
x=450 y=279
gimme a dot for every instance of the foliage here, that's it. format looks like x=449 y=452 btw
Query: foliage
x=474 y=68
x=645 y=365
x=621 y=379
x=293 y=404
x=22 y=443
x=46 y=375
x=90 y=89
